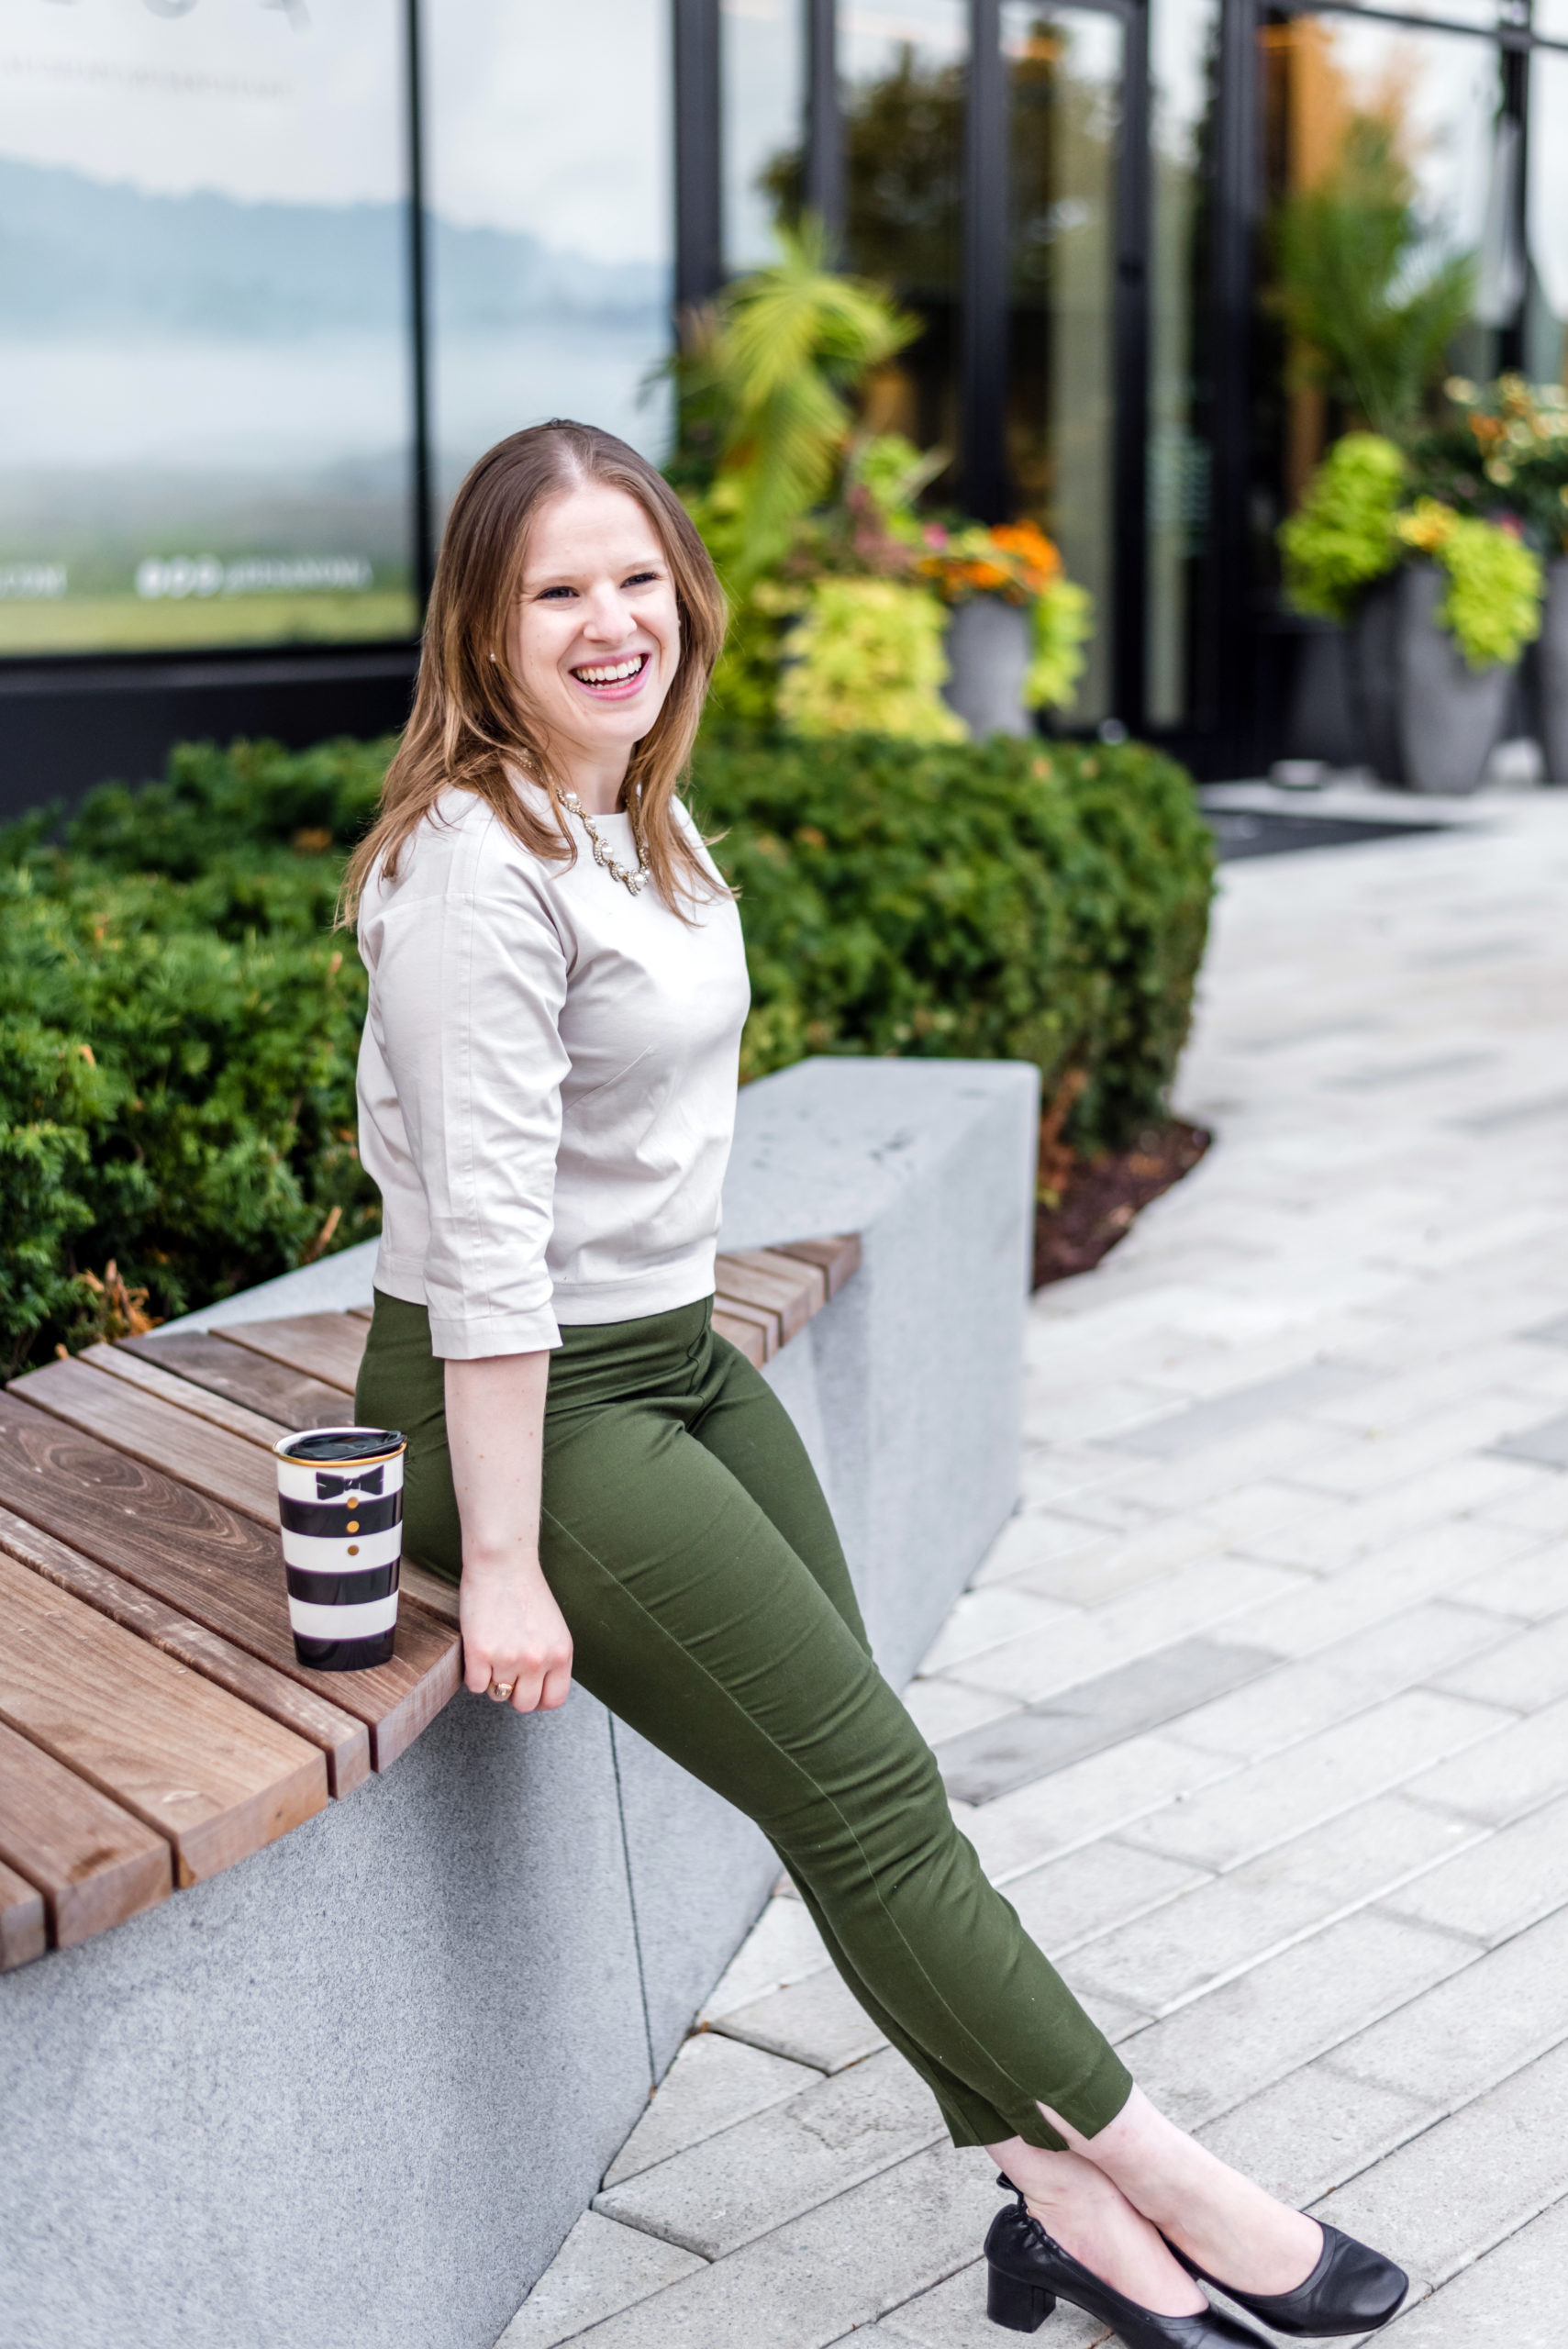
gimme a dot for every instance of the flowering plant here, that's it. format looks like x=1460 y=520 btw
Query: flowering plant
x=1504 y=453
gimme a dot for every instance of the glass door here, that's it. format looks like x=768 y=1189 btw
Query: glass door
x=1066 y=77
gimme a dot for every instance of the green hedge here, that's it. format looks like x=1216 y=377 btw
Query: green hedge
x=178 y=1024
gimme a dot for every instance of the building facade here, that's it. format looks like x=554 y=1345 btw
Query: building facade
x=274 y=271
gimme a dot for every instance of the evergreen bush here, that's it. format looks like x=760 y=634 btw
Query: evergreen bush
x=178 y=1023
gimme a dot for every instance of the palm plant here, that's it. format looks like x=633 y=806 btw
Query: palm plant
x=1373 y=310
x=768 y=371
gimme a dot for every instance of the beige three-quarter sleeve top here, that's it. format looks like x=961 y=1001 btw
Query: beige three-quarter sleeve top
x=546 y=1082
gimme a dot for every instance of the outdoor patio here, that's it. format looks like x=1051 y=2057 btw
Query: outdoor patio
x=1259 y=1707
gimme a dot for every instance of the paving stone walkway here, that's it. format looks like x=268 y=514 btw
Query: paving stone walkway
x=1258 y=1707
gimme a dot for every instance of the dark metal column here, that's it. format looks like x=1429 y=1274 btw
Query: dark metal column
x=983 y=382
x=700 y=245
x=421 y=487
x=1226 y=618
x=1130 y=323
x=824 y=125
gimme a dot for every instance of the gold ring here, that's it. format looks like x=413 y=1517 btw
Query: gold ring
x=501 y=1690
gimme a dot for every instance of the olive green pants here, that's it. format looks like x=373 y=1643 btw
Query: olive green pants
x=690 y=1549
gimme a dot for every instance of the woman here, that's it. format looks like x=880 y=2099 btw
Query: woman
x=547 y=1095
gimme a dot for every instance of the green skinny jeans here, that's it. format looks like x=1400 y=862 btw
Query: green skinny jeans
x=691 y=1551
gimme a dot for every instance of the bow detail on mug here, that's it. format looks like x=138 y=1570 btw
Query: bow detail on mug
x=328 y=1488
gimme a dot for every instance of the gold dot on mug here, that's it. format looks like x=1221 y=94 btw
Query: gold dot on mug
x=353 y=1525
x=353 y=1549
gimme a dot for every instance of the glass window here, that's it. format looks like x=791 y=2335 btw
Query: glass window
x=203 y=371
x=903 y=71
x=762 y=70
x=553 y=240
x=1437 y=97
x=1547 y=341
x=1064 y=70
x=1183 y=77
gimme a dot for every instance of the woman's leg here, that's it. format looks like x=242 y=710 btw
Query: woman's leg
x=1089 y=2198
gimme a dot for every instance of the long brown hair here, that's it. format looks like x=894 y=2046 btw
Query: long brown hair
x=470 y=715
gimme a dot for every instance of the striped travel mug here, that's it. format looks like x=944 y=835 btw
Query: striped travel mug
x=340 y=1508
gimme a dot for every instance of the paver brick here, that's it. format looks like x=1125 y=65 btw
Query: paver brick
x=817 y=2022
x=1524 y=1765
x=1512 y=2300
x=1523 y=1673
x=1244 y=1407
x=1460 y=2039
x=1301 y=1698
x=783 y=1946
x=1499 y=1886
x=1374 y=1460
x=1535 y=1586
x=1315 y=2128
x=1328 y=1534
x=1464 y=2185
x=599 y=2270
x=995 y=1758
x=713 y=2083
x=728 y=2190
x=840 y=2266
x=1262 y=2025
x=952 y=2316
x=942 y=1709
x=985 y=1618
x=1259 y=1808
x=1090 y=1890
x=1237 y=1920
x=1114 y=1560
x=1094 y=1797
x=1193 y=1597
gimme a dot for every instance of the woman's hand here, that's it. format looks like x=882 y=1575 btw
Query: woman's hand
x=514 y=1634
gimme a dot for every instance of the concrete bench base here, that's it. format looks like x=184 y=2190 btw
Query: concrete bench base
x=356 y=2090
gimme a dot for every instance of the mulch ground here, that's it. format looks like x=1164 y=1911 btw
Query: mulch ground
x=1098 y=1200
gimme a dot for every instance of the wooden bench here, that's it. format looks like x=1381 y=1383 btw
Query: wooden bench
x=154 y=1724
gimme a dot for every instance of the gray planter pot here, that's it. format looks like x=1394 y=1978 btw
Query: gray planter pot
x=1451 y=716
x=1551 y=656
x=988 y=654
x=1374 y=678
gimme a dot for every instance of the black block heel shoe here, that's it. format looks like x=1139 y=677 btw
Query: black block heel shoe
x=1352 y=2289
x=1027 y=2273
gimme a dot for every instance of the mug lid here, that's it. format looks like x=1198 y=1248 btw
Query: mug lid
x=341 y=1447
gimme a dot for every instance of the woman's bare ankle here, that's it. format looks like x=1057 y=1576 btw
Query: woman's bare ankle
x=1233 y=2229
x=1087 y=2215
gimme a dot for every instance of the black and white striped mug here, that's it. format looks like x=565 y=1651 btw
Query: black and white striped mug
x=340 y=1508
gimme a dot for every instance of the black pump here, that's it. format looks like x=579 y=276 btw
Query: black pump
x=1352 y=2289
x=1027 y=2273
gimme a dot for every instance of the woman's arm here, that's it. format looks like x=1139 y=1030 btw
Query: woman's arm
x=512 y=1628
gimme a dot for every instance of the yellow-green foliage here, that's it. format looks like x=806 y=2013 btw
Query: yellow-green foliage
x=868 y=659
x=1343 y=534
x=1061 y=624
x=1492 y=606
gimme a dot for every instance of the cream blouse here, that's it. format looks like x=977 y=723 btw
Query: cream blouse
x=546 y=1084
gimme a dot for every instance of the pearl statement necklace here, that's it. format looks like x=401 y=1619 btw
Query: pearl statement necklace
x=631 y=882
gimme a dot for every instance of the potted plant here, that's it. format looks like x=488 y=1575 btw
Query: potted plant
x=850 y=610
x=1505 y=453
x=1464 y=601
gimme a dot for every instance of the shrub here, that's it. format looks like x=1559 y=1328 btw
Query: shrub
x=1000 y=899
x=179 y=1026
x=869 y=654
x=1343 y=535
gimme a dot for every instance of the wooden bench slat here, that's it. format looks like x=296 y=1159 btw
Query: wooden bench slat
x=189 y=1761
x=218 y=1463
x=344 y=1742
x=326 y=1346
x=212 y=1563
x=750 y=1337
x=778 y=1284
x=94 y=1863
x=118 y=1361
x=23 y=1933
x=206 y=1359
x=838 y=1257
